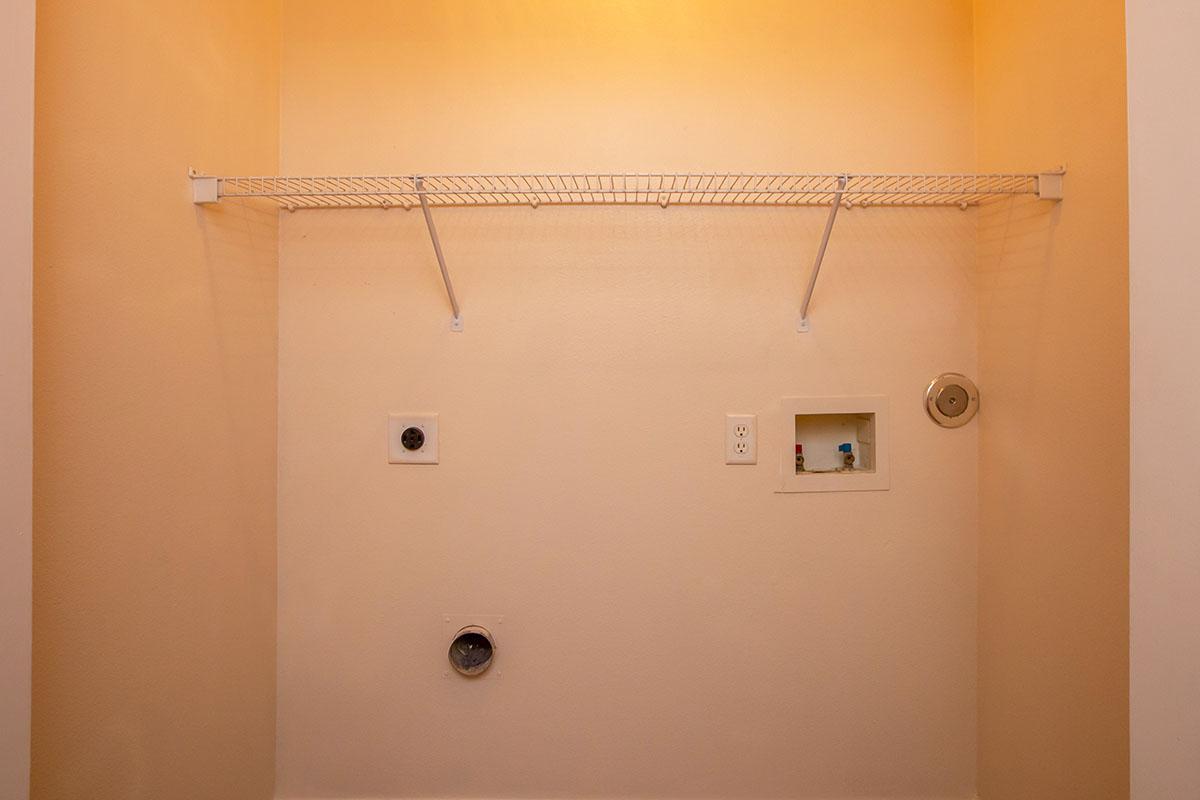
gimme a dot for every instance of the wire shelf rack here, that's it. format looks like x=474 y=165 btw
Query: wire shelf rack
x=832 y=190
x=664 y=189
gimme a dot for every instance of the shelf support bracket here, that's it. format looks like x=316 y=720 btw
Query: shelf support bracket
x=802 y=325
x=456 y=322
x=205 y=189
x=1050 y=184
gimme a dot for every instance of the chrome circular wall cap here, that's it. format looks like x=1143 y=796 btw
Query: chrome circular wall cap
x=952 y=400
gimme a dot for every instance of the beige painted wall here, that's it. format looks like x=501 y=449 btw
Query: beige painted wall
x=1053 y=355
x=155 y=403
x=16 y=365
x=1164 y=129
x=672 y=628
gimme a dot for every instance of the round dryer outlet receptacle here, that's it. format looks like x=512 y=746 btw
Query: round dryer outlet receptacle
x=472 y=651
x=413 y=438
x=952 y=400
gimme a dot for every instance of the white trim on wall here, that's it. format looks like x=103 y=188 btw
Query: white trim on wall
x=16 y=361
x=1164 y=143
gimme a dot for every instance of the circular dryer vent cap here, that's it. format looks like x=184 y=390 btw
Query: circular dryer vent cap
x=952 y=400
x=472 y=650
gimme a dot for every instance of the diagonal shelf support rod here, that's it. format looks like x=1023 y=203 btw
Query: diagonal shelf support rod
x=456 y=322
x=802 y=326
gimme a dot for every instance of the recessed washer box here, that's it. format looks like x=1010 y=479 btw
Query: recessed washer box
x=843 y=441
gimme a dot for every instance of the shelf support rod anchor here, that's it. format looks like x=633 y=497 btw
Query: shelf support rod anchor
x=456 y=322
x=802 y=326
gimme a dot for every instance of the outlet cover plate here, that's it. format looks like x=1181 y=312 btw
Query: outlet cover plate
x=741 y=439
x=427 y=453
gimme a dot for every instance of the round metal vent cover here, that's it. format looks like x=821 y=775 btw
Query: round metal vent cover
x=952 y=400
x=472 y=650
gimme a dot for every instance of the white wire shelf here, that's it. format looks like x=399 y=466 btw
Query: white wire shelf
x=664 y=189
x=627 y=189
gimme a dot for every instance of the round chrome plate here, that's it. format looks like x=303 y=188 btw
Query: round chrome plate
x=952 y=400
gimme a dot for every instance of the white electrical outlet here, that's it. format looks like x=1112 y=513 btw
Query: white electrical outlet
x=741 y=439
x=413 y=439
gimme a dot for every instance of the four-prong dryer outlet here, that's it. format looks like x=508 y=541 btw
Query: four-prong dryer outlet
x=413 y=439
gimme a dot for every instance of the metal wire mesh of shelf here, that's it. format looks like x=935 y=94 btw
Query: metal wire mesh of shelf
x=665 y=189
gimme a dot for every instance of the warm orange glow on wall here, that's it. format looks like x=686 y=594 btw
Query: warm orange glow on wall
x=1053 y=595
x=154 y=464
x=672 y=626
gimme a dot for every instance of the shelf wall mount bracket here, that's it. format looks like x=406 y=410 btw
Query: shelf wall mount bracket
x=205 y=188
x=456 y=321
x=1050 y=184
x=802 y=325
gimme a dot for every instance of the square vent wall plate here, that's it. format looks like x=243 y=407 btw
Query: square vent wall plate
x=834 y=444
x=413 y=439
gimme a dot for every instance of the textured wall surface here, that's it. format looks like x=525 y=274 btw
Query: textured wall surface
x=672 y=627
x=1164 y=132
x=1054 y=434
x=16 y=366
x=155 y=359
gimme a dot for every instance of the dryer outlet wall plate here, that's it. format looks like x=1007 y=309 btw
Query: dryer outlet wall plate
x=413 y=439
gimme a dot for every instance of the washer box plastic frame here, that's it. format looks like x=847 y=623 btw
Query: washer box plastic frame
x=878 y=478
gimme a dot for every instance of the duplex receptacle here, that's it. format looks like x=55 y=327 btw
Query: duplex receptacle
x=741 y=439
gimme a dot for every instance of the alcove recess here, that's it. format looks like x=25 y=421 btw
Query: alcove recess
x=827 y=430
